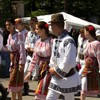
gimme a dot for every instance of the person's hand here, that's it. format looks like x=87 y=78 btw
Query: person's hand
x=21 y=67
x=27 y=77
x=53 y=72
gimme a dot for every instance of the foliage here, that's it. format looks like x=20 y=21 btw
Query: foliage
x=5 y=11
x=30 y=6
x=38 y=12
x=84 y=8
x=80 y=8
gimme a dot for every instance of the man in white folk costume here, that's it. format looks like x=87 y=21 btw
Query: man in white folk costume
x=65 y=79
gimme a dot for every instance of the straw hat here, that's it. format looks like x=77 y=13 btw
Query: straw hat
x=57 y=18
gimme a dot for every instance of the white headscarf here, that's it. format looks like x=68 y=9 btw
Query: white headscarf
x=98 y=33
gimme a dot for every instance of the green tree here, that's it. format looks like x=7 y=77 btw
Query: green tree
x=84 y=8
x=30 y=5
x=5 y=11
x=79 y=8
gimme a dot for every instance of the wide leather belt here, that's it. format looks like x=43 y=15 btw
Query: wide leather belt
x=71 y=72
x=81 y=56
x=30 y=53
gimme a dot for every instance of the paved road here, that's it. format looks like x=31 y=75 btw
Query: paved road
x=33 y=85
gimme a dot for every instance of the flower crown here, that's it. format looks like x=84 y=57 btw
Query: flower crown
x=91 y=28
x=46 y=25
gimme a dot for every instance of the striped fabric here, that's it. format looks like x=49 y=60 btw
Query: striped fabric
x=41 y=49
x=17 y=56
x=41 y=56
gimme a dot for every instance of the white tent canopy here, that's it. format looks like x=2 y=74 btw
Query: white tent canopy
x=69 y=20
x=77 y=21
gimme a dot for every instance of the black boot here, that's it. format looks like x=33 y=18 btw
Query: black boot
x=4 y=92
x=26 y=89
x=61 y=97
x=98 y=95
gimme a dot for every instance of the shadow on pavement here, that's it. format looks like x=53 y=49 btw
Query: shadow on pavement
x=77 y=99
x=31 y=90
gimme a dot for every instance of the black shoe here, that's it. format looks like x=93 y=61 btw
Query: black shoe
x=24 y=93
x=61 y=97
x=98 y=95
x=4 y=95
x=77 y=94
x=25 y=89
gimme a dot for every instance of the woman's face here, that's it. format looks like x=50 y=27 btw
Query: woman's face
x=38 y=31
x=19 y=26
x=9 y=26
x=32 y=24
x=86 y=33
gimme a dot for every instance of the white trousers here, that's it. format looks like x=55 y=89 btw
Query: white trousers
x=54 y=96
x=84 y=83
x=82 y=67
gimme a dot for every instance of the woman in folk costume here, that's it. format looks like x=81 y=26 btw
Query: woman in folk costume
x=18 y=57
x=65 y=79
x=41 y=57
x=30 y=40
x=91 y=71
x=82 y=43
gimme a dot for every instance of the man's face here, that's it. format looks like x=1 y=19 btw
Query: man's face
x=54 y=28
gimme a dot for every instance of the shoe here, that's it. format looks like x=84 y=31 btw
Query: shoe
x=77 y=94
x=98 y=95
x=61 y=97
x=24 y=94
x=25 y=89
x=4 y=95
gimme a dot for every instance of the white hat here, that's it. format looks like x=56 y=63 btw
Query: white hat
x=97 y=32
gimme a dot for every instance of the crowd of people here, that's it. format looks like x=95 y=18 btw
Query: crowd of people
x=59 y=64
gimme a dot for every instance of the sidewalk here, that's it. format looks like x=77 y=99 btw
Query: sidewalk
x=33 y=85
